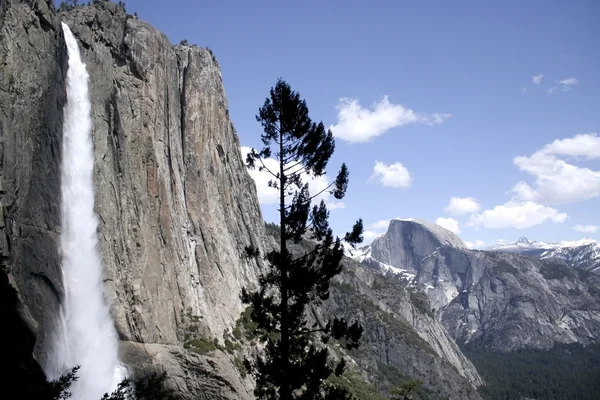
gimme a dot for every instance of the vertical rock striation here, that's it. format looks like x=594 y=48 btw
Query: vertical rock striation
x=175 y=203
x=409 y=241
x=32 y=96
x=495 y=300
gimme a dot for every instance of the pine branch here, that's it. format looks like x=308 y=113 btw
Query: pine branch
x=293 y=166
x=317 y=248
x=267 y=169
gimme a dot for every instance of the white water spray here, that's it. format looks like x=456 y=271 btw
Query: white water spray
x=86 y=335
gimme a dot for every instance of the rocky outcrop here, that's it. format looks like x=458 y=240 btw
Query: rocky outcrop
x=18 y=368
x=502 y=301
x=32 y=95
x=526 y=302
x=402 y=339
x=191 y=375
x=449 y=272
x=586 y=256
x=407 y=242
x=584 y=253
x=175 y=203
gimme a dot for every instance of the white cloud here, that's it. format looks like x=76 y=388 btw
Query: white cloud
x=519 y=215
x=475 y=245
x=434 y=119
x=334 y=205
x=270 y=195
x=381 y=224
x=358 y=124
x=393 y=175
x=449 y=223
x=375 y=229
x=537 y=79
x=582 y=145
x=567 y=83
x=462 y=206
x=556 y=180
x=586 y=228
x=369 y=236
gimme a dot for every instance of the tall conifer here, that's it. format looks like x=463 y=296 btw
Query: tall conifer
x=296 y=364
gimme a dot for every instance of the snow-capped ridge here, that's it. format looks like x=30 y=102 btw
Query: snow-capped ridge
x=584 y=253
x=524 y=244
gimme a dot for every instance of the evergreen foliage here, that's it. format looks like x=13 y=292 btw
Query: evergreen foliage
x=295 y=365
x=567 y=371
x=68 y=5
x=149 y=388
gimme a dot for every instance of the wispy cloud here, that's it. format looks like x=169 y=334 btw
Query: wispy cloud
x=537 y=79
x=586 y=228
x=568 y=82
x=556 y=180
x=565 y=84
x=393 y=175
x=357 y=124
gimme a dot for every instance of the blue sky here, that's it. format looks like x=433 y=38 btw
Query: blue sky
x=470 y=86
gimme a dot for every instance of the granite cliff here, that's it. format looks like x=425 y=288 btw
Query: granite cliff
x=175 y=203
x=176 y=209
x=402 y=338
x=501 y=301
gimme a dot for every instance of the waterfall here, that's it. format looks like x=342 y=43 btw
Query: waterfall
x=86 y=335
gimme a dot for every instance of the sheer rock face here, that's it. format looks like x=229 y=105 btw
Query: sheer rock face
x=32 y=95
x=407 y=242
x=175 y=203
x=400 y=335
x=501 y=301
x=525 y=302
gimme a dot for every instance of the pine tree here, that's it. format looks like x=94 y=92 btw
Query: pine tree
x=295 y=365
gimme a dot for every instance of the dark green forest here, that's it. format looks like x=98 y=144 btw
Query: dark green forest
x=567 y=371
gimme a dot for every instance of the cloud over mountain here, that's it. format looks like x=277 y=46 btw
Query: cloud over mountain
x=557 y=180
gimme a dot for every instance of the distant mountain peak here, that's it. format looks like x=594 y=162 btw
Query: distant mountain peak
x=584 y=252
x=445 y=236
x=523 y=244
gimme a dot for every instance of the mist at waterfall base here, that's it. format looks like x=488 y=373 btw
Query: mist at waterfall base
x=85 y=335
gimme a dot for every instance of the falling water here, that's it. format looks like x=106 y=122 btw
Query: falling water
x=86 y=335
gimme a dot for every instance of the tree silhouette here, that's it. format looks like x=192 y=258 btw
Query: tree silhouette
x=295 y=365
